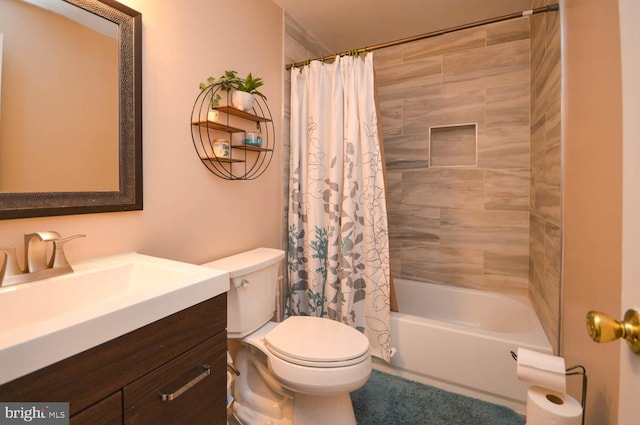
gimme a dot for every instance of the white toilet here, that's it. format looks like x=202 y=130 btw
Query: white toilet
x=296 y=372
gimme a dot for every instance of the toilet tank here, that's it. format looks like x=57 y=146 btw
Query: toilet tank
x=251 y=300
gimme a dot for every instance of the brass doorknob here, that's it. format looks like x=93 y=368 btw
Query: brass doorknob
x=604 y=328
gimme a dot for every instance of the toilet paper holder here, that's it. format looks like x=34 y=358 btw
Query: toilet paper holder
x=571 y=371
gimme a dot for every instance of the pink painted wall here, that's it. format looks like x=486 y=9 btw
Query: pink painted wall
x=189 y=214
x=592 y=196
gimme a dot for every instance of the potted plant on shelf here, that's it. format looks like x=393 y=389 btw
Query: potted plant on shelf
x=243 y=97
x=227 y=82
x=243 y=93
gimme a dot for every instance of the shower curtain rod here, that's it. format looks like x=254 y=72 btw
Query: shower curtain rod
x=549 y=8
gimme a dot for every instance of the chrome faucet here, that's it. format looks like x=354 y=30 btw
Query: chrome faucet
x=35 y=250
x=37 y=264
x=58 y=259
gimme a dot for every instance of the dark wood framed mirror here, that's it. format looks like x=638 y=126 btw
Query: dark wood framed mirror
x=125 y=191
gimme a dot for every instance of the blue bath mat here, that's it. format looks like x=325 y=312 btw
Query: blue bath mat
x=390 y=400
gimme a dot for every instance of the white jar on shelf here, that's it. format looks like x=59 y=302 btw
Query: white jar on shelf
x=212 y=115
x=221 y=148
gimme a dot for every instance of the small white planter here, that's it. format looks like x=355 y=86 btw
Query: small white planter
x=213 y=115
x=242 y=100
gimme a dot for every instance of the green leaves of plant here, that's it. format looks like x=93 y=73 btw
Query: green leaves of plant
x=230 y=81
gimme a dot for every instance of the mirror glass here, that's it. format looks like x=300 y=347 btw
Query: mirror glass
x=70 y=107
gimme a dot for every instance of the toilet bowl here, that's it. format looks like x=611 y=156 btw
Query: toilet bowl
x=296 y=372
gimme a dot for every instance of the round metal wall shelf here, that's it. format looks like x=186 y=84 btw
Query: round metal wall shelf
x=245 y=162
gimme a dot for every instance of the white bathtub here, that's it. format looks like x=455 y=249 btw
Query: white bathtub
x=460 y=340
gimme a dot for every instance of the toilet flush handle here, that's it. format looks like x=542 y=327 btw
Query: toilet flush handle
x=243 y=283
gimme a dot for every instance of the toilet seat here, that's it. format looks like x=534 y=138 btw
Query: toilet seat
x=317 y=342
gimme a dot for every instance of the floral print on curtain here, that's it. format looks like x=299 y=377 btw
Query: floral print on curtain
x=338 y=253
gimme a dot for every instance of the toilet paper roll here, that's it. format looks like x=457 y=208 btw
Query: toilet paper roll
x=545 y=407
x=543 y=370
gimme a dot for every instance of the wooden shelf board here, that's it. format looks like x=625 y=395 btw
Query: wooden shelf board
x=242 y=114
x=251 y=148
x=222 y=159
x=218 y=126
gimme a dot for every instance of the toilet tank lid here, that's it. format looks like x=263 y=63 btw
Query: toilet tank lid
x=247 y=262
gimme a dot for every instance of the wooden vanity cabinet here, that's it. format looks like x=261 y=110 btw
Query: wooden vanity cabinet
x=122 y=380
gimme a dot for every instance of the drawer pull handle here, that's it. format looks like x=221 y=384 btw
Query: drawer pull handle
x=185 y=387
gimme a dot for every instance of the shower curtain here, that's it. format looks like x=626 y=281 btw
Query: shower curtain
x=338 y=253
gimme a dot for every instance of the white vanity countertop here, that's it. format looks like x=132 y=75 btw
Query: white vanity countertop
x=49 y=320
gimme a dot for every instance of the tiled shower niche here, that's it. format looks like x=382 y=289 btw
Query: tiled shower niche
x=453 y=146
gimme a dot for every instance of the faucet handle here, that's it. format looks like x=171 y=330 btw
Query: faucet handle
x=11 y=266
x=58 y=259
x=3 y=268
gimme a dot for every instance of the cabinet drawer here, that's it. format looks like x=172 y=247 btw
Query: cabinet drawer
x=106 y=412
x=193 y=397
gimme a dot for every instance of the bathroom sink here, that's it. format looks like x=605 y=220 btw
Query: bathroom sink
x=52 y=319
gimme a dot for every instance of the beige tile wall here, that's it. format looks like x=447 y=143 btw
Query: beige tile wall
x=545 y=219
x=464 y=225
